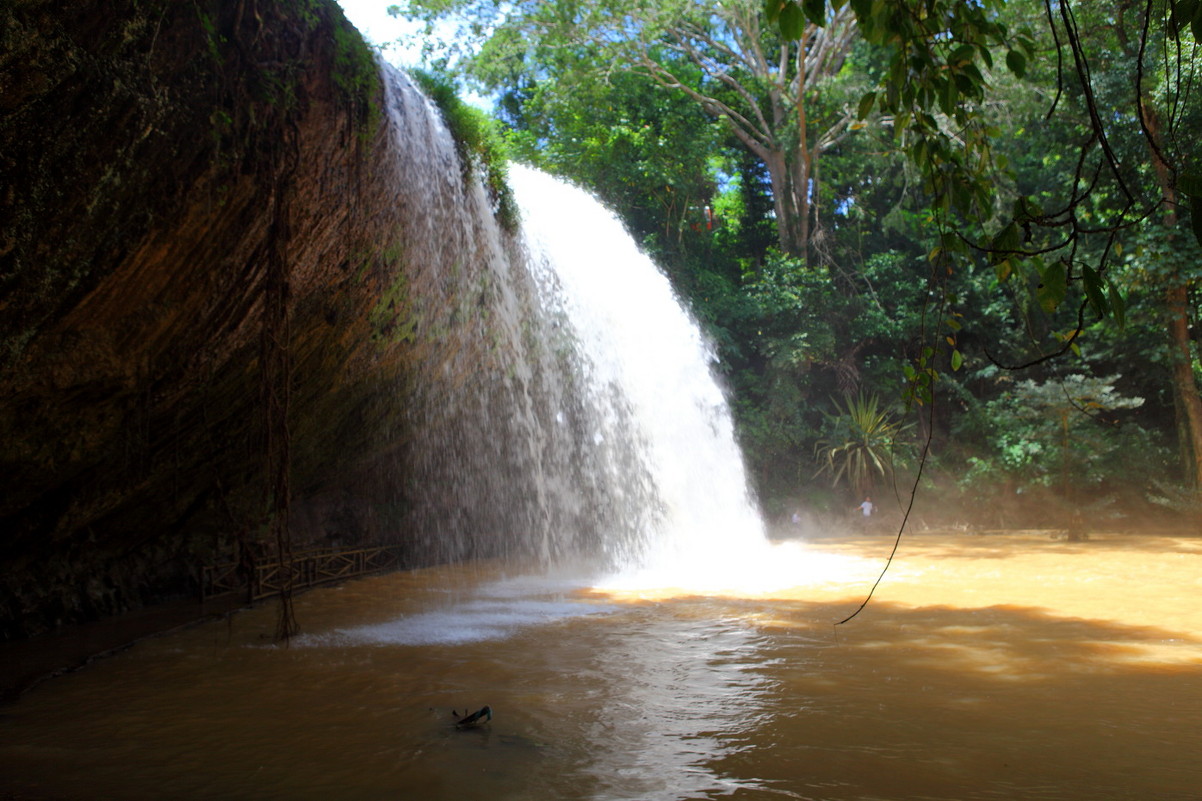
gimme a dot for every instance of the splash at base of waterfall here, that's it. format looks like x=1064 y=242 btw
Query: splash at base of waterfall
x=504 y=607
x=754 y=570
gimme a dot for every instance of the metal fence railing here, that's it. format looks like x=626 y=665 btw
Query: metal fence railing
x=268 y=575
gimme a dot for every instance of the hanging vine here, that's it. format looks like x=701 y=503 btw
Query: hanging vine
x=273 y=147
x=276 y=378
x=273 y=46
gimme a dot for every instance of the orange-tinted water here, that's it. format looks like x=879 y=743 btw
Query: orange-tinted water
x=1009 y=667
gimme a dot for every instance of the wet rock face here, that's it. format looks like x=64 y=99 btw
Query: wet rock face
x=162 y=161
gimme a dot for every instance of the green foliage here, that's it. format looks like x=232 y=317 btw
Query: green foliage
x=645 y=152
x=955 y=232
x=1061 y=432
x=934 y=89
x=213 y=39
x=864 y=442
x=792 y=15
x=356 y=75
x=478 y=140
x=392 y=318
x=781 y=101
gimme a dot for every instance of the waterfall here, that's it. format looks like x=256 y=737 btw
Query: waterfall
x=645 y=376
x=565 y=406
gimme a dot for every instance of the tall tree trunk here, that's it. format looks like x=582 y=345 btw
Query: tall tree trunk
x=801 y=201
x=1185 y=389
x=784 y=200
x=801 y=175
x=1186 y=399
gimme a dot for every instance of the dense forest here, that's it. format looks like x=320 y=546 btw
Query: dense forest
x=936 y=243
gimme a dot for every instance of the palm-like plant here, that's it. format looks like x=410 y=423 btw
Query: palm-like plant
x=864 y=444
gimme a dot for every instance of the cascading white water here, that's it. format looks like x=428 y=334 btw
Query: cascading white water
x=564 y=406
x=564 y=409
x=639 y=352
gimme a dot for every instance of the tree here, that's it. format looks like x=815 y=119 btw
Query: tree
x=863 y=444
x=645 y=152
x=1127 y=67
x=1066 y=433
x=1169 y=123
x=955 y=228
x=778 y=97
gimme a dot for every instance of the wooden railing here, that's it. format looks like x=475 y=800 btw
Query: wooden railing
x=268 y=575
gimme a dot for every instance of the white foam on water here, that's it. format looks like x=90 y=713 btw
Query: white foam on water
x=495 y=611
x=755 y=570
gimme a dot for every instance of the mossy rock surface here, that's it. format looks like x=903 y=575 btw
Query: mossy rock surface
x=153 y=153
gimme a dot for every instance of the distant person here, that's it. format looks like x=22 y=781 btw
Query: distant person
x=796 y=519
x=867 y=507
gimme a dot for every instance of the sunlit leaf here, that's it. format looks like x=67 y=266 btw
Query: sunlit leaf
x=957 y=360
x=792 y=21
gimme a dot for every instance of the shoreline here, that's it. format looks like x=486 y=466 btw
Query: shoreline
x=26 y=663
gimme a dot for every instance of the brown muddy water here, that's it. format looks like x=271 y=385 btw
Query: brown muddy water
x=1001 y=667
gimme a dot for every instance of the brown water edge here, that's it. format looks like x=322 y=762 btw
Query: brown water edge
x=25 y=663
x=998 y=667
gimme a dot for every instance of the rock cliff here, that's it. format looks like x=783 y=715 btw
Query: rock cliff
x=205 y=295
